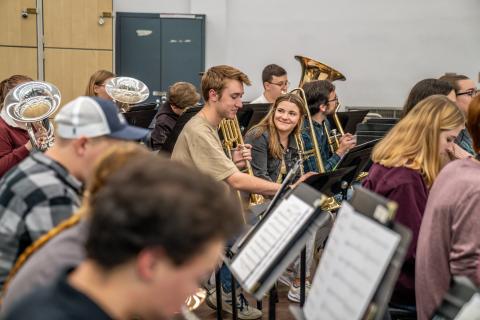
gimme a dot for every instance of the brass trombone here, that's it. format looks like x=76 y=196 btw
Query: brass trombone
x=329 y=204
x=232 y=137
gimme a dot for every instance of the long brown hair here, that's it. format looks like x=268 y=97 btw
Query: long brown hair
x=8 y=84
x=268 y=124
x=97 y=79
x=414 y=142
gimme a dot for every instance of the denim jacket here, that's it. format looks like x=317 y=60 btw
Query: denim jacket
x=329 y=160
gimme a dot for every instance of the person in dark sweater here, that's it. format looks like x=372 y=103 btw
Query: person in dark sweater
x=14 y=141
x=144 y=254
x=181 y=95
x=406 y=163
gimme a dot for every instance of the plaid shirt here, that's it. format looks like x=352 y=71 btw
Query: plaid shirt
x=465 y=141
x=329 y=160
x=34 y=197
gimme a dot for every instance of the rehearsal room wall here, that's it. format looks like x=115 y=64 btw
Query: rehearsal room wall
x=382 y=47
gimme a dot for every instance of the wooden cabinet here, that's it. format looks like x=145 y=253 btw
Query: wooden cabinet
x=79 y=21
x=16 y=30
x=74 y=46
x=70 y=69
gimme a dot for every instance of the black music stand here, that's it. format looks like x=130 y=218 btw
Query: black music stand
x=251 y=114
x=350 y=119
x=358 y=156
x=379 y=211
x=333 y=182
x=259 y=281
x=182 y=120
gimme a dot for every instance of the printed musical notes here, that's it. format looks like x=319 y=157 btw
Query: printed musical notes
x=356 y=256
x=270 y=240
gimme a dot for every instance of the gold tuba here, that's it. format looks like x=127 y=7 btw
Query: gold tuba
x=315 y=70
x=32 y=103
x=127 y=91
x=232 y=136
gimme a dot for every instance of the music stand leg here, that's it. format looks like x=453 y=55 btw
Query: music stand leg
x=259 y=304
x=272 y=303
x=303 y=272
x=234 y=299
x=218 y=293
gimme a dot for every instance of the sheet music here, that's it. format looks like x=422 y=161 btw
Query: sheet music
x=354 y=261
x=471 y=310
x=267 y=243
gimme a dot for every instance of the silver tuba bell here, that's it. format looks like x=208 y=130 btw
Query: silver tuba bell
x=32 y=103
x=127 y=91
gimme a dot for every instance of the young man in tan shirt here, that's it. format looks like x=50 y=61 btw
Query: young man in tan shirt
x=199 y=143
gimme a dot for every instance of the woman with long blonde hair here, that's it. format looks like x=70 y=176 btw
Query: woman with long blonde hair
x=274 y=152
x=448 y=243
x=405 y=165
x=274 y=147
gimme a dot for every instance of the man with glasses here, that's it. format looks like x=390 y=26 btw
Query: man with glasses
x=322 y=101
x=465 y=90
x=275 y=83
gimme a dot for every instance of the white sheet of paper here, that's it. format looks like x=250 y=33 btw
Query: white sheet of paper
x=352 y=264
x=471 y=310
x=269 y=240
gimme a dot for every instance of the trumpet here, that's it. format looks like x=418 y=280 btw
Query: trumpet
x=32 y=103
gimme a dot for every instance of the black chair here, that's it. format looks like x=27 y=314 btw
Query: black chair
x=140 y=118
x=383 y=120
x=381 y=127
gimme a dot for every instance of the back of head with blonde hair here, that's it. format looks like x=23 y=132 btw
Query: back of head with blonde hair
x=183 y=95
x=112 y=160
x=414 y=141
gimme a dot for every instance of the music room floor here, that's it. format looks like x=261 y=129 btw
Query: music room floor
x=204 y=312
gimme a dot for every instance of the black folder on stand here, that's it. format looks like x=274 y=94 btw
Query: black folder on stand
x=366 y=212
x=277 y=239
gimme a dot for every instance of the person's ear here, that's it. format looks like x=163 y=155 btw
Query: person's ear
x=212 y=95
x=147 y=261
x=96 y=88
x=266 y=85
x=80 y=146
x=322 y=107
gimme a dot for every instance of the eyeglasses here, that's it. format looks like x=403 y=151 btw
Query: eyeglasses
x=281 y=83
x=334 y=99
x=471 y=92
